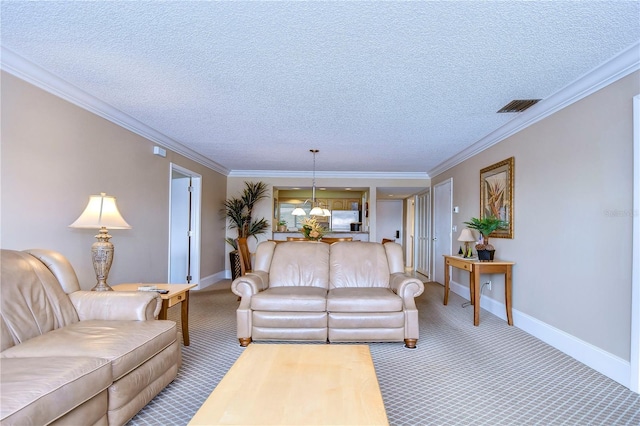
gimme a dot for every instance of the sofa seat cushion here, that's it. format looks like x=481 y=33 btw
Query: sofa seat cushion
x=39 y=390
x=270 y=319
x=127 y=344
x=366 y=320
x=359 y=299
x=291 y=299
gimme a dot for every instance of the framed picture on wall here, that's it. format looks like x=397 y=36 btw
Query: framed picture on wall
x=496 y=194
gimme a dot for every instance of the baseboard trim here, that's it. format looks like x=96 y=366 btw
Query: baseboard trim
x=212 y=280
x=602 y=361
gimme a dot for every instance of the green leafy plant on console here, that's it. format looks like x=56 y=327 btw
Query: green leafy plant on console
x=485 y=227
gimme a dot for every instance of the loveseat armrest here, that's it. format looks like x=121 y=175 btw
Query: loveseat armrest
x=408 y=288
x=250 y=284
x=245 y=287
x=116 y=305
x=405 y=286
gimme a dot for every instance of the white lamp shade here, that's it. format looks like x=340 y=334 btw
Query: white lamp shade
x=101 y=211
x=316 y=211
x=298 y=212
x=326 y=212
x=466 y=235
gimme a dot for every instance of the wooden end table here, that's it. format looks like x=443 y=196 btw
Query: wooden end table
x=475 y=268
x=178 y=293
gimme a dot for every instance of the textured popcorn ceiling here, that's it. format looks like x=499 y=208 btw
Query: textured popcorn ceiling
x=375 y=86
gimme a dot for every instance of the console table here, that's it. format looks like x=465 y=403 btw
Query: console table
x=475 y=269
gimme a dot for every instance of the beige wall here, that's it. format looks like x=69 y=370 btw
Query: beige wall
x=572 y=207
x=573 y=195
x=55 y=154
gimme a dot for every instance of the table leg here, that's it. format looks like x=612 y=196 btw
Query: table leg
x=474 y=276
x=507 y=294
x=163 y=310
x=184 y=319
x=446 y=282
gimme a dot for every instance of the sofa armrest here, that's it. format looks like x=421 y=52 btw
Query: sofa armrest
x=112 y=305
x=405 y=286
x=250 y=284
x=245 y=287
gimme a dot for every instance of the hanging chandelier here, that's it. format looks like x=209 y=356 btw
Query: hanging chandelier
x=316 y=208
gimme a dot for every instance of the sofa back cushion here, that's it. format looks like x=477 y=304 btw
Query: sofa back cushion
x=300 y=263
x=264 y=256
x=59 y=266
x=395 y=258
x=358 y=264
x=32 y=302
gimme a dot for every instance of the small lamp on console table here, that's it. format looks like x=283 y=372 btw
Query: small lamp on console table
x=466 y=236
x=100 y=213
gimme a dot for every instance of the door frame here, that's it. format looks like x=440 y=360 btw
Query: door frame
x=196 y=194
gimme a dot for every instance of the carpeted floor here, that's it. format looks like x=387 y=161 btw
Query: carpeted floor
x=458 y=375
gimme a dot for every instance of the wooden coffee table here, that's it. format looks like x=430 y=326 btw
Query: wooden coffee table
x=178 y=293
x=297 y=385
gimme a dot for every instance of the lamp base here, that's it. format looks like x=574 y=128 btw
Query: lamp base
x=102 y=256
x=467 y=251
x=102 y=287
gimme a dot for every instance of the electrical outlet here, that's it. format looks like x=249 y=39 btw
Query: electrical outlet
x=489 y=285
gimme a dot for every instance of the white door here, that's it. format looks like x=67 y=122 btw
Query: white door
x=179 y=250
x=422 y=225
x=389 y=218
x=184 y=223
x=442 y=223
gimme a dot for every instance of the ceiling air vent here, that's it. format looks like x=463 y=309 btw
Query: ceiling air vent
x=518 y=105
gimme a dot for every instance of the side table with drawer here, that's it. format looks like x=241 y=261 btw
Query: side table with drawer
x=178 y=293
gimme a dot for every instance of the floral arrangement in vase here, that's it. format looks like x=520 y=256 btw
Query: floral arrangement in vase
x=312 y=230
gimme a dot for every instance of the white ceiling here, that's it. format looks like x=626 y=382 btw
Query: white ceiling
x=376 y=86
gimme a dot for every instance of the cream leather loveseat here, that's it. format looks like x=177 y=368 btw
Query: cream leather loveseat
x=343 y=292
x=76 y=357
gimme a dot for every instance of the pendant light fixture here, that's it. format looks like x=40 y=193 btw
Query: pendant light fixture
x=316 y=209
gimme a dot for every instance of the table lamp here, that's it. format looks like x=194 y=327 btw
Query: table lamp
x=466 y=236
x=100 y=213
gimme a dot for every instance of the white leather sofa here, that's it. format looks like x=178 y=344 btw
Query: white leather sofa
x=342 y=292
x=77 y=357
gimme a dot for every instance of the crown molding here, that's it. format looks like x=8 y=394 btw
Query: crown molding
x=328 y=174
x=26 y=70
x=619 y=66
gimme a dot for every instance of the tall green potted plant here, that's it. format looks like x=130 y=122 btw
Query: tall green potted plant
x=485 y=227
x=238 y=212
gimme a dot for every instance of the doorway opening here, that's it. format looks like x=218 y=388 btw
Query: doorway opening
x=184 y=226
